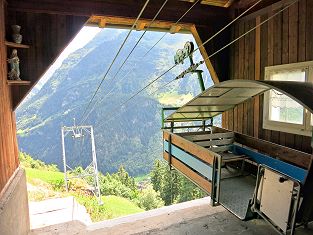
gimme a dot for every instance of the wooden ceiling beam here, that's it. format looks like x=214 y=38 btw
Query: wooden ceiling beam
x=102 y=23
x=262 y=8
x=242 y=5
x=200 y=14
x=141 y=25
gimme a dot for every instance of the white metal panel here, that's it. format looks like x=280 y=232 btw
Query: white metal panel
x=243 y=92
x=204 y=108
x=218 y=101
x=276 y=198
x=215 y=91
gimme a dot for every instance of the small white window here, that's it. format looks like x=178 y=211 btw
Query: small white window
x=281 y=113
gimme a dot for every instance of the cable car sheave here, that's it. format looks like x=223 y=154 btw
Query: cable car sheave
x=246 y=175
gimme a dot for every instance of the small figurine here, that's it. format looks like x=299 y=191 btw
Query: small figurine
x=16 y=36
x=14 y=62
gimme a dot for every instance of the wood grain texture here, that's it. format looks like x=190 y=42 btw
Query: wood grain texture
x=8 y=142
x=53 y=30
x=188 y=146
x=201 y=14
x=284 y=39
x=289 y=155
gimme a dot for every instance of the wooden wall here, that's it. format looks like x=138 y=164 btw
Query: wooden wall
x=47 y=35
x=8 y=142
x=287 y=38
x=220 y=60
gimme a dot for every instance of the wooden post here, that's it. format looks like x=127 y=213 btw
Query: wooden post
x=257 y=72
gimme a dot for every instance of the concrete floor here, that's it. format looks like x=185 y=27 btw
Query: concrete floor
x=191 y=218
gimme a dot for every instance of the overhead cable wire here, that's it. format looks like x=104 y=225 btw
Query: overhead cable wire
x=115 y=57
x=210 y=39
x=238 y=38
x=161 y=38
x=125 y=60
x=131 y=70
x=208 y=57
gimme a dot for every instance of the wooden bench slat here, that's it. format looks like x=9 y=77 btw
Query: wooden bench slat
x=215 y=142
x=190 y=147
x=213 y=136
x=221 y=149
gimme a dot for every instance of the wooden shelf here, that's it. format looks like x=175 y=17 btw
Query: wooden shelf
x=18 y=83
x=16 y=45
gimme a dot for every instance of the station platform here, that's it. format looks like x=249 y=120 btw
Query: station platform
x=193 y=217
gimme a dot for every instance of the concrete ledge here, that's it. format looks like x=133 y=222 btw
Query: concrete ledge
x=14 y=215
x=168 y=215
x=57 y=211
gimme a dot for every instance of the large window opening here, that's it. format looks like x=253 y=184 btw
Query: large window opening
x=134 y=177
x=281 y=113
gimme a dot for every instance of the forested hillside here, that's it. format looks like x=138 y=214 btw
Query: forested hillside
x=133 y=137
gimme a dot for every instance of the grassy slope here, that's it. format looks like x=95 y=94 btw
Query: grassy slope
x=46 y=176
x=112 y=207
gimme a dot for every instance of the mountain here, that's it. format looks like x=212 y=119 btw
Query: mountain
x=126 y=135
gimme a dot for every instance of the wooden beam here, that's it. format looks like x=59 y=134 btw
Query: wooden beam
x=261 y=9
x=141 y=25
x=175 y=29
x=200 y=14
x=102 y=23
x=257 y=73
x=245 y=4
x=229 y=3
x=204 y=55
x=219 y=3
x=117 y=22
x=188 y=146
x=283 y=153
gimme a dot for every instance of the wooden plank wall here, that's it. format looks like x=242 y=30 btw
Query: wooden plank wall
x=220 y=60
x=8 y=142
x=47 y=35
x=287 y=38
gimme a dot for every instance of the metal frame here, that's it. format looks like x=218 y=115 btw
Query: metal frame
x=294 y=206
x=78 y=132
x=239 y=91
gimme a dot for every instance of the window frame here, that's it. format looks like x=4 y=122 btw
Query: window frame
x=304 y=129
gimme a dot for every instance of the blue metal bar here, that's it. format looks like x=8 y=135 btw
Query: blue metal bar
x=278 y=165
x=190 y=160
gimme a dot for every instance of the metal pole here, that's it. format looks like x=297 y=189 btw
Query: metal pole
x=95 y=165
x=162 y=118
x=199 y=73
x=64 y=159
x=200 y=78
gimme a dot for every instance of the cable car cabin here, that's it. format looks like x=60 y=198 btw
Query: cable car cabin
x=246 y=175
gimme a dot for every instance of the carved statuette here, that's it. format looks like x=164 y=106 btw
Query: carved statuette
x=14 y=62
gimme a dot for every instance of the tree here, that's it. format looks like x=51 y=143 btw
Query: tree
x=149 y=199
x=172 y=185
x=157 y=176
